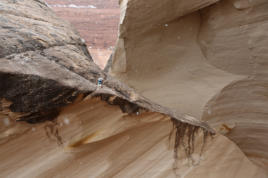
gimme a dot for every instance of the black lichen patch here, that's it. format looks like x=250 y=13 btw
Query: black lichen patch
x=38 y=98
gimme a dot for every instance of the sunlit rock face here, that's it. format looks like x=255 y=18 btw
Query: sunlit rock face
x=95 y=20
x=203 y=58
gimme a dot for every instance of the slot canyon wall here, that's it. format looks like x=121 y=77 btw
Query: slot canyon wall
x=207 y=59
x=180 y=99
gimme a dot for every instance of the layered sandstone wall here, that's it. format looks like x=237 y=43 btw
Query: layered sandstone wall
x=203 y=58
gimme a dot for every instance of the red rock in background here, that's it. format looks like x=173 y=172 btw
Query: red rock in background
x=95 y=20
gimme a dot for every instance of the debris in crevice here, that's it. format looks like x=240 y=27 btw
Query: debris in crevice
x=185 y=135
x=125 y=106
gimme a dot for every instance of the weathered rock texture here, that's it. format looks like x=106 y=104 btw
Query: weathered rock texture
x=207 y=59
x=56 y=122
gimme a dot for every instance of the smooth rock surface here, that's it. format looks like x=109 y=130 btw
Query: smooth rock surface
x=207 y=60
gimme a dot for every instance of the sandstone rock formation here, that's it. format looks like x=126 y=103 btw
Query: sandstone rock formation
x=54 y=116
x=57 y=122
x=202 y=58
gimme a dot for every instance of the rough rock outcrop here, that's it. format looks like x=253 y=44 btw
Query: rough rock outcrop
x=206 y=59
